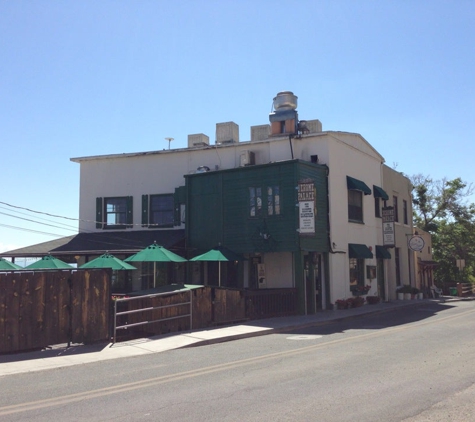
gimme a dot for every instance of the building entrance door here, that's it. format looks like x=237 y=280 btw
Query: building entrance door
x=380 y=275
x=313 y=282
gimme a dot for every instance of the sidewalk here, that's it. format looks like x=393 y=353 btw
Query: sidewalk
x=62 y=356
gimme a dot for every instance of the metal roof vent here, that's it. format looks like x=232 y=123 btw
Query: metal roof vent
x=285 y=100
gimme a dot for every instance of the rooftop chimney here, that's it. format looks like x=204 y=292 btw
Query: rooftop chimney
x=227 y=133
x=284 y=118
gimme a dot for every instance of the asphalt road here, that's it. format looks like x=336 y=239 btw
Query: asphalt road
x=413 y=364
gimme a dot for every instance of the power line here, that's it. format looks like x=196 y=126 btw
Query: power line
x=39 y=218
x=41 y=212
x=37 y=222
x=31 y=230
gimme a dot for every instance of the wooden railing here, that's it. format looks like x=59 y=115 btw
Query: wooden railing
x=150 y=309
x=465 y=289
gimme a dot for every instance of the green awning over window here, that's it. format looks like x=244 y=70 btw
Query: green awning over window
x=382 y=252
x=380 y=193
x=355 y=184
x=359 y=251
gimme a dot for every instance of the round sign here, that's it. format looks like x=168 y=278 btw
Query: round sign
x=416 y=243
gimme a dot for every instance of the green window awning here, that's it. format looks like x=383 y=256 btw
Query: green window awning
x=382 y=252
x=355 y=184
x=380 y=193
x=359 y=251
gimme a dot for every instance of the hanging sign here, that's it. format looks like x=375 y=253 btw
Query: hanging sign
x=307 y=210
x=389 y=238
x=416 y=243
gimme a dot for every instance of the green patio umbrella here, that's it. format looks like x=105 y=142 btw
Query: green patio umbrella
x=48 y=262
x=219 y=253
x=107 y=261
x=155 y=253
x=8 y=265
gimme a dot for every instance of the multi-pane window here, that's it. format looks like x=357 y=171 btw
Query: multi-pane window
x=114 y=212
x=257 y=195
x=162 y=208
x=404 y=211
x=273 y=200
x=356 y=272
x=255 y=202
x=396 y=214
x=377 y=208
x=355 y=205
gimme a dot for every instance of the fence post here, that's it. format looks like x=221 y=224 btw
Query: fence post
x=115 y=320
x=191 y=309
x=70 y=310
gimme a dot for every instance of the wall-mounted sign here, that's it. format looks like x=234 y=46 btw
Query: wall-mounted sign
x=307 y=210
x=389 y=237
x=416 y=243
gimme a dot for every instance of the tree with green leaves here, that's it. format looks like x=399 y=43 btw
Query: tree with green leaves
x=440 y=208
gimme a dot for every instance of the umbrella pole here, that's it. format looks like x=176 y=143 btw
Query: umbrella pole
x=219 y=273
x=154 y=273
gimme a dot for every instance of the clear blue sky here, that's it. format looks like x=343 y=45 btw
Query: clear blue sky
x=83 y=78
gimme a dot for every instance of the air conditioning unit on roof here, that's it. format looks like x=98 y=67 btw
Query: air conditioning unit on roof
x=247 y=158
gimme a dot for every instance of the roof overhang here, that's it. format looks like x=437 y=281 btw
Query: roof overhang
x=97 y=243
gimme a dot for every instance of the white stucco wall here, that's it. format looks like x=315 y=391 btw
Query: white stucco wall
x=279 y=270
x=396 y=184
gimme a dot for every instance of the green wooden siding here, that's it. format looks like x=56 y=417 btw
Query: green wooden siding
x=203 y=211
x=218 y=209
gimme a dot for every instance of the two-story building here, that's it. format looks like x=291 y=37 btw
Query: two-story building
x=303 y=206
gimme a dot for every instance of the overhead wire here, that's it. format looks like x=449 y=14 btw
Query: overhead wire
x=112 y=237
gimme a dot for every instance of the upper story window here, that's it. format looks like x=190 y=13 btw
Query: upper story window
x=355 y=205
x=114 y=212
x=158 y=210
x=404 y=211
x=356 y=189
x=379 y=194
x=255 y=202
x=377 y=208
x=395 y=205
x=273 y=200
x=257 y=195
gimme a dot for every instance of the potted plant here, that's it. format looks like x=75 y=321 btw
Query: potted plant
x=407 y=291
x=357 y=301
x=359 y=290
x=400 y=293
x=415 y=293
x=373 y=300
x=341 y=304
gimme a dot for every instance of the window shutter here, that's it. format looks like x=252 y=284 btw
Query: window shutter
x=130 y=218
x=178 y=199
x=144 y=210
x=99 y=221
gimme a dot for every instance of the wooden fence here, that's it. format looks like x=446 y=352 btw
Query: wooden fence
x=465 y=289
x=43 y=308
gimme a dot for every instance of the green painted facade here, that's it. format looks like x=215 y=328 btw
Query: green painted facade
x=218 y=209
